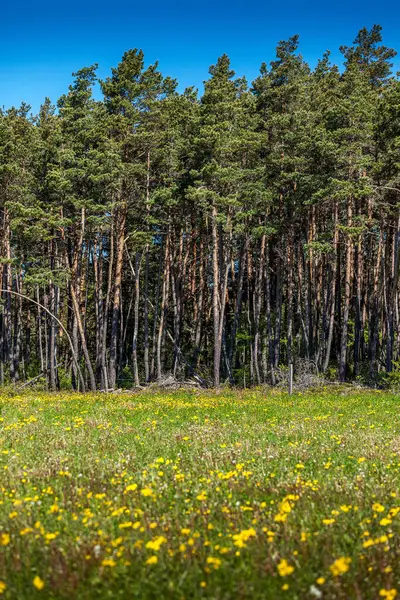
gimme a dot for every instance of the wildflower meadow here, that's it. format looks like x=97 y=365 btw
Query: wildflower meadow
x=200 y=495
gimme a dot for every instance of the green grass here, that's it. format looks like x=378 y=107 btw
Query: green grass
x=191 y=495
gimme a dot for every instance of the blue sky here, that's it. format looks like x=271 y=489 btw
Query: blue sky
x=43 y=42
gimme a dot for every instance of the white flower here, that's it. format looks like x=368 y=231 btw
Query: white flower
x=314 y=591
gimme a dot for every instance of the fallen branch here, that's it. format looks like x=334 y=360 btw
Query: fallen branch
x=82 y=381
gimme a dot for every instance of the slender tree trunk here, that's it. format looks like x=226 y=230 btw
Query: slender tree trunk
x=52 y=326
x=75 y=302
x=121 y=218
x=347 y=297
x=146 y=282
x=157 y=301
x=138 y=260
x=199 y=306
x=216 y=298
x=290 y=258
x=164 y=308
x=238 y=302
x=257 y=308
x=278 y=314
x=333 y=290
x=146 y=317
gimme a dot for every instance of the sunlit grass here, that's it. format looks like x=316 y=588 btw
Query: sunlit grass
x=192 y=495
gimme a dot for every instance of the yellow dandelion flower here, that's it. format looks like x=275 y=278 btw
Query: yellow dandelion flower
x=38 y=583
x=239 y=539
x=125 y=525
x=156 y=543
x=131 y=487
x=108 y=562
x=340 y=566
x=284 y=568
x=215 y=562
x=153 y=560
x=388 y=594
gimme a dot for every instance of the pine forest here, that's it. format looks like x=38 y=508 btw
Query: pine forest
x=218 y=236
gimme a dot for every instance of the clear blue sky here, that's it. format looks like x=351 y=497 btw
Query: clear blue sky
x=43 y=42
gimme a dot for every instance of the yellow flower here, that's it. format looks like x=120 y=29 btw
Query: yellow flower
x=4 y=539
x=328 y=521
x=388 y=594
x=340 y=566
x=215 y=562
x=378 y=507
x=153 y=560
x=38 y=583
x=117 y=542
x=280 y=518
x=147 y=492
x=321 y=580
x=156 y=543
x=285 y=507
x=385 y=521
x=131 y=487
x=202 y=496
x=2 y=587
x=243 y=536
x=125 y=525
x=108 y=562
x=284 y=568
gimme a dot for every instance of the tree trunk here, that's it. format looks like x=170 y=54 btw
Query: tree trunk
x=333 y=290
x=347 y=298
x=121 y=218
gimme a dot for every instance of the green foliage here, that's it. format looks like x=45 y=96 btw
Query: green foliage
x=298 y=171
x=392 y=379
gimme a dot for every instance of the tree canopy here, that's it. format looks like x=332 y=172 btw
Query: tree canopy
x=222 y=236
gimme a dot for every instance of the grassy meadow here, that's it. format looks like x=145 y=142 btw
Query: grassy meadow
x=200 y=495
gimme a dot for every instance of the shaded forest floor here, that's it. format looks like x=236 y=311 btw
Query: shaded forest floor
x=200 y=495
